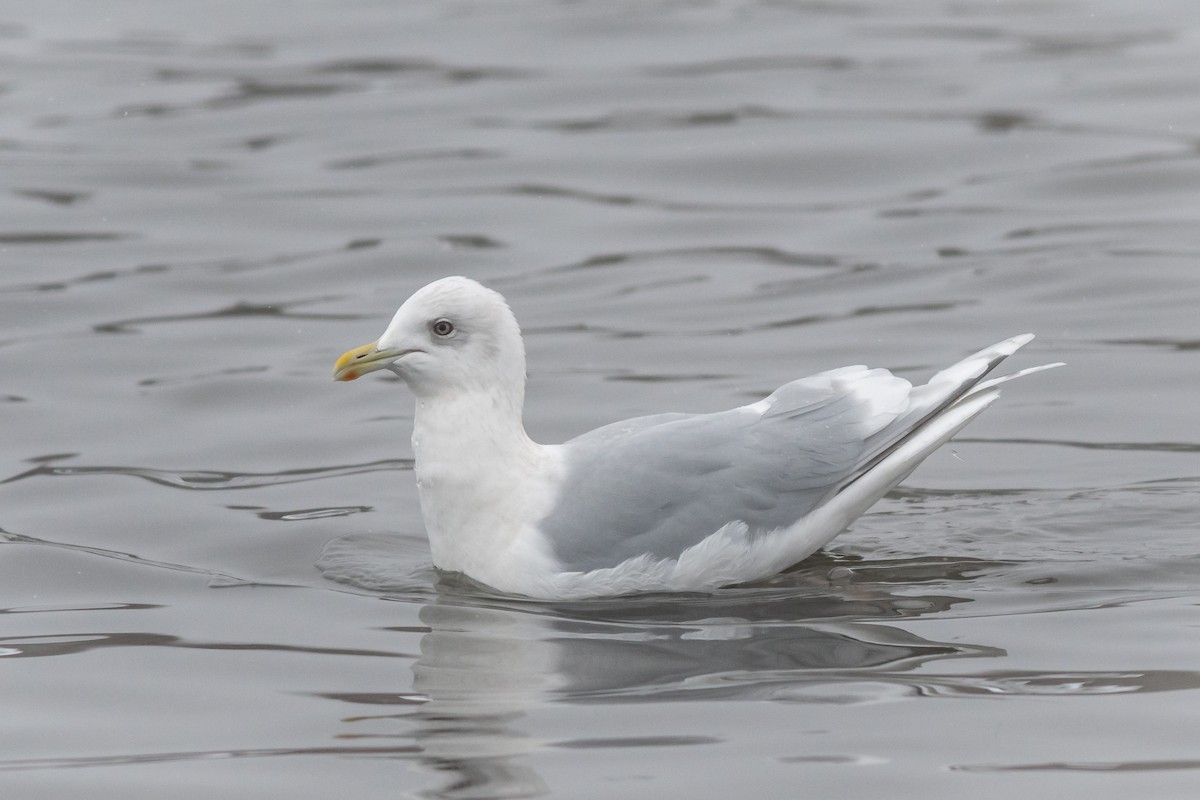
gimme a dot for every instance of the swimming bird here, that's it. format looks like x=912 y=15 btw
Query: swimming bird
x=664 y=503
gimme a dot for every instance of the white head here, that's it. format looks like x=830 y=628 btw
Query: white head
x=450 y=338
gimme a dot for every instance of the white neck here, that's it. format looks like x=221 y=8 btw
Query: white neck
x=479 y=475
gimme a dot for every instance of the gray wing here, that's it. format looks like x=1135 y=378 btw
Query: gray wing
x=658 y=485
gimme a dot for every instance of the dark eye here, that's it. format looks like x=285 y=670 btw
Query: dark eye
x=442 y=327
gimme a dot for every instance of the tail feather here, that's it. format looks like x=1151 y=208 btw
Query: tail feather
x=988 y=384
x=931 y=405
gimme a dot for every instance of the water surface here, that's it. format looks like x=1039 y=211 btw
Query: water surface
x=216 y=580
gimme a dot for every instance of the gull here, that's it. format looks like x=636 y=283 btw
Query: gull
x=664 y=503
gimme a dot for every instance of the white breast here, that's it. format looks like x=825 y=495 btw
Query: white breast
x=482 y=492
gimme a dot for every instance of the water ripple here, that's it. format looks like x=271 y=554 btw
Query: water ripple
x=58 y=237
x=1142 y=447
x=862 y=683
x=56 y=197
x=380 y=159
x=1030 y=684
x=792 y=322
x=546 y=190
x=771 y=256
x=206 y=755
x=312 y=513
x=1166 y=765
x=208 y=480
x=62 y=644
x=635 y=741
x=448 y=72
x=705 y=69
x=58 y=609
x=656 y=120
x=217 y=578
x=224 y=265
x=238 y=309
x=253 y=83
x=1162 y=342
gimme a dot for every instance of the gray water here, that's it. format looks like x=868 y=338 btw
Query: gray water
x=215 y=580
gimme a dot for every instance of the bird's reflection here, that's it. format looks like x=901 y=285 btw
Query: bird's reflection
x=489 y=667
x=480 y=670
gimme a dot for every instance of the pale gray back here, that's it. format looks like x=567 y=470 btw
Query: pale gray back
x=657 y=485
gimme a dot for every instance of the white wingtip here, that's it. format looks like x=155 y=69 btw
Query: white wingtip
x=1004 y=348
x=988 y=384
